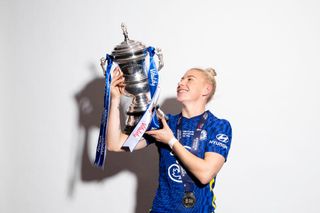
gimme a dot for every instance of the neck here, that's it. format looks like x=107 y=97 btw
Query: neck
x=192 y=110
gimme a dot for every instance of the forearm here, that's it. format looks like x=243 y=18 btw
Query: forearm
x=115 y=138
x=203 y=169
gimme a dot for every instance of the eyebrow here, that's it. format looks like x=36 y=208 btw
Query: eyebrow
x=189 y=76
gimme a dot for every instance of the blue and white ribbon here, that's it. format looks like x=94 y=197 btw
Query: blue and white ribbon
x=149 y=119
x=153 y=78
x=101 y=147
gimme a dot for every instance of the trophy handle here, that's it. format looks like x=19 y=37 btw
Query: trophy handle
x=103 y=64
x=160 y=57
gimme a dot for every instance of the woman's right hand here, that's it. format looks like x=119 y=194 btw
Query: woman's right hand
x=117 y=84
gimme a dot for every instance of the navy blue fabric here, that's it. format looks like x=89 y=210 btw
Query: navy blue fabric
x=186 y=179
x=215 y=137
x=101 y=146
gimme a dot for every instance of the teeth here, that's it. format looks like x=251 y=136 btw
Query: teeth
x=181 y=90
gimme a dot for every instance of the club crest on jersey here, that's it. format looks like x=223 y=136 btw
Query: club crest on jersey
x=203 y=135
x=222 y=138
x=174 y=171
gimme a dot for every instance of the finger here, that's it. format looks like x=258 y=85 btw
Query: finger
x=122 y=83
x=117 y=82
x=117 y=69
x=122 y=87
x=122 y=90
x=115 y=72
x=117 y=76
x=151 y=132
x=164 y=122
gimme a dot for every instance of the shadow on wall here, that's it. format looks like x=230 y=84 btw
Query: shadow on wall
x=142 y=163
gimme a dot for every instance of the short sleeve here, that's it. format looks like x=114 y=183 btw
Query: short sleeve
x=220 y=136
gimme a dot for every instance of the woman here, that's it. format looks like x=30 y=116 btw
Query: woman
x=193 y=145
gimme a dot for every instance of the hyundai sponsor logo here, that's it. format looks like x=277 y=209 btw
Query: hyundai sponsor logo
x=222 y=138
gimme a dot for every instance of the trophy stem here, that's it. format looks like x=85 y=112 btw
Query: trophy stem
x=139 y=103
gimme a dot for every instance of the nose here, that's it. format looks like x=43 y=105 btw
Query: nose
x=181 y=82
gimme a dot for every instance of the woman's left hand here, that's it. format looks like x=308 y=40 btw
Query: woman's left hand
x=162 y=135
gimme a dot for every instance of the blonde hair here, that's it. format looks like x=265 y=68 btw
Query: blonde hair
x=210 y=74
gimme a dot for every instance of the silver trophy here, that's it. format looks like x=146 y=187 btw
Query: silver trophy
x=131 y=56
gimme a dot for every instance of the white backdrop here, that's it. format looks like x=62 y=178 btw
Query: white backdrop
x=266 y=54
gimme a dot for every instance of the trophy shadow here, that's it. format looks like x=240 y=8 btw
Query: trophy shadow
x=142 y=163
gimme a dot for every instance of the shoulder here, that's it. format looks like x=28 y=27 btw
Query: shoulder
x=218 y=124
x=219 y=136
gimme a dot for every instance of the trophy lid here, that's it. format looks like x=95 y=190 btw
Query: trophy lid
x=129 y=49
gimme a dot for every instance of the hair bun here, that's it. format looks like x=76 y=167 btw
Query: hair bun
x=211 y=71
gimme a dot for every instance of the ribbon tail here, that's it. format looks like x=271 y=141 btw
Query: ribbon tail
x=101 y=146
x=101 y=150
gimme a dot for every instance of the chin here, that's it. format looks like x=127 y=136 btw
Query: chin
x=180 y=99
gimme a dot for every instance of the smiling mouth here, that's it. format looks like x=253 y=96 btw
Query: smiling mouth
x=182 y=90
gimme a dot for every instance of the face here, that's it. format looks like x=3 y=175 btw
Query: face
x=192 y=87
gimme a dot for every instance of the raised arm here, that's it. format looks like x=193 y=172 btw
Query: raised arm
x=115 y=137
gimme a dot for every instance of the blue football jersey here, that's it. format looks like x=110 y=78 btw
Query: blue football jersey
x=215 y=136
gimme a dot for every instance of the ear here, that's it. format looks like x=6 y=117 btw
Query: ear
x=207 y=88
